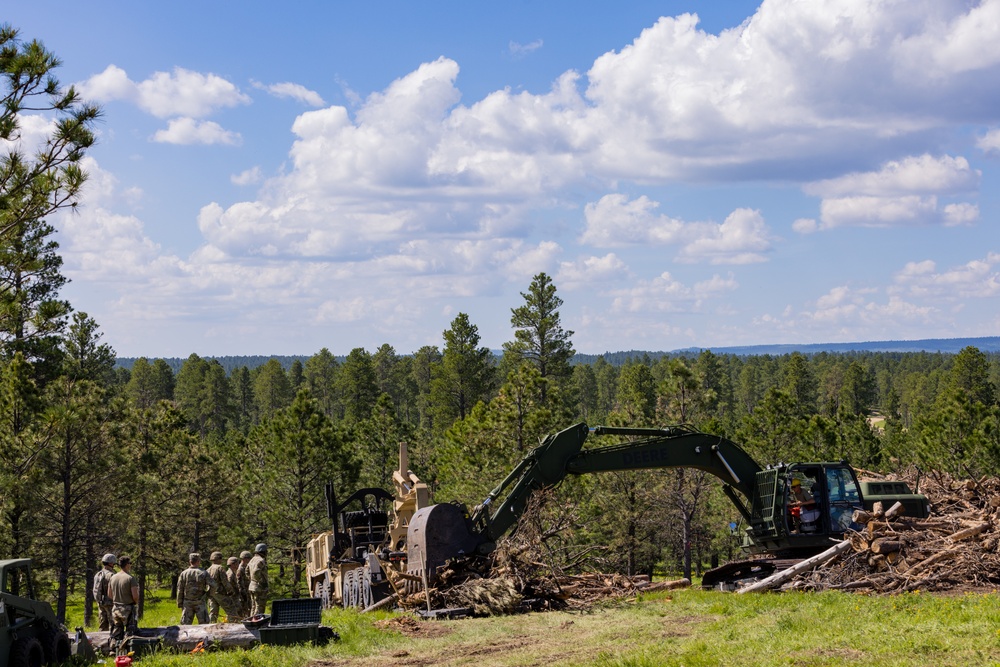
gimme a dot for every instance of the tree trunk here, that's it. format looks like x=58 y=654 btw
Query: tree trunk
x=185 y=638
x=142 y=571
x=14 y=518
x=65 y=529
x=686 y=536
x=89 y=572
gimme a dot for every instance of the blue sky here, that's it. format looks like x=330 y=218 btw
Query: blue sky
x=340 y=175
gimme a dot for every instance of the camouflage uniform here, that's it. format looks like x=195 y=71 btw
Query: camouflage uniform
x=101 y=580
x=258 y=581
x=121 y=590
x=234 y=584
x=223 y=595
x=243 y=581
x=192 y=588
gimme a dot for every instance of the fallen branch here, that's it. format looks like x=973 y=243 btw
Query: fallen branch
x=779 y=578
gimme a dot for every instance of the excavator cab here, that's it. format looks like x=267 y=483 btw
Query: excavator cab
x=799 y=507
x=822 y=499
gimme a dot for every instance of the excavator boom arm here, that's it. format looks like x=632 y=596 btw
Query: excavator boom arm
x=563 y=454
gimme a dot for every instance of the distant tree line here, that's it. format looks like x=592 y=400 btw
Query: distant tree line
x=158 y=461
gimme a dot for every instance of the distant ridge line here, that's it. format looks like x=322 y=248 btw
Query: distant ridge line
x=986 y=344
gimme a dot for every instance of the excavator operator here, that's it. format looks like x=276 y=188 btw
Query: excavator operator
x=800 y=497
x=801 y=505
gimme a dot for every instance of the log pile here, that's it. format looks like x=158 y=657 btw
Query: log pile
x=955 y=549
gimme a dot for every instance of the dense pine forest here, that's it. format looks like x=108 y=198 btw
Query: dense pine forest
x=157 y=461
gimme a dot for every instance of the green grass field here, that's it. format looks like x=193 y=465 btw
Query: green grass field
x=690 y=628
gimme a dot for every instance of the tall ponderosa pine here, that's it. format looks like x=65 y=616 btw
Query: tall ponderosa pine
x=35 y=181
x=83 y=465
x=465 y=375
x=357 y=385
x=538 y=333
x=971 y=373
x=320 y=374
x=241 y=391
x=392 y=376
x=377 y=442
x=32 y=317
x=421 y=373
x=272 y=389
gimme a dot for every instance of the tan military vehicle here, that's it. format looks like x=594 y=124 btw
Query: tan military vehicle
x=350 y=564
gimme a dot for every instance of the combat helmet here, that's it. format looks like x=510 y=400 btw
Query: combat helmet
x=109 y=559
x=260 y=548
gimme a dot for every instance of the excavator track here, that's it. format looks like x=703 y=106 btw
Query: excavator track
x=731 y=576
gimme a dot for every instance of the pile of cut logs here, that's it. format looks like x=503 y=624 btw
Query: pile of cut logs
x=954 y=549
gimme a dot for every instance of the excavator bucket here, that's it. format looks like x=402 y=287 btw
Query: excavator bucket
x=435 y=535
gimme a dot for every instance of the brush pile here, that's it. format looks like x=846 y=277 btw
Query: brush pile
x=955 y=549
x=522 y=575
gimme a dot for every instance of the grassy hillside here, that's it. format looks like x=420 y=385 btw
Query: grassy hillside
x=687 y=628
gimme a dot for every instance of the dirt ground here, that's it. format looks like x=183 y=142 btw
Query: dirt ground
x=552 y=638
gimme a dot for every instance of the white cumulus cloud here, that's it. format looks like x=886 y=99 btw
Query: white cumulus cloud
x=617 y=221
x=990 y=142
x=249 y=176
x=294 y=91
x=187 y=131
x=186 y=93
x=591 y=271
x=979 y=278
x=181 y=92
x=665 y=293
x=920 y=174
x=901 y=192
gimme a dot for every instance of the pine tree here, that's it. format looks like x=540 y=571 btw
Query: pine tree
x=421 y=373
x=271 y=389
x=32 y=187
x=538 y=334
x=22 y=442
x=320 y=374
x=86 y=358
x=465 y=375
x=357 y=385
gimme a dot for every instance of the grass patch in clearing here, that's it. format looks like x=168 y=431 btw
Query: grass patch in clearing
x=689 y=627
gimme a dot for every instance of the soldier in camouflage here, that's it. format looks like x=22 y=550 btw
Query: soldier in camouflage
x=243 y=579
x=234 y=584
x=123 y=589
x=193 y=586
x=224 y=595
x=101 y=580
x=259 y=586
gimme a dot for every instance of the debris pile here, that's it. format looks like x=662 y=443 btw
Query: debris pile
x=522 y=574
x=954 y=549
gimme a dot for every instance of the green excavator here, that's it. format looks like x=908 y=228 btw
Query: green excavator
x=774 y=523
x=350 y=564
